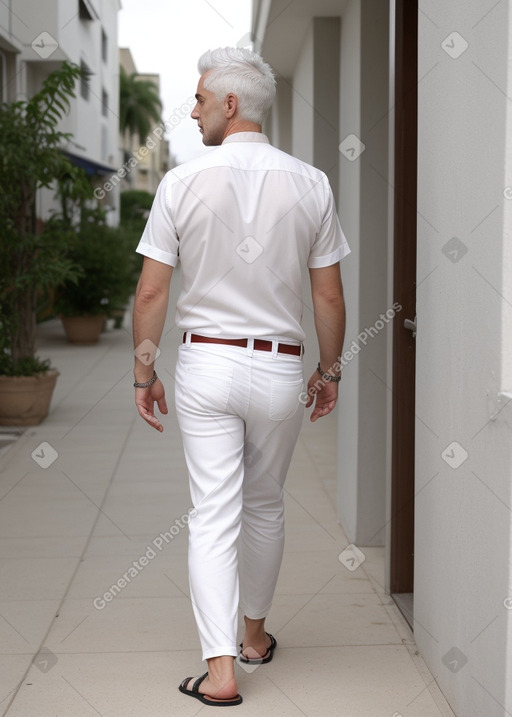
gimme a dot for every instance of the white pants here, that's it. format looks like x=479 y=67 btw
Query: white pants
x=240 y=415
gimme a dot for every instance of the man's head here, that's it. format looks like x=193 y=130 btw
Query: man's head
x=236 y=90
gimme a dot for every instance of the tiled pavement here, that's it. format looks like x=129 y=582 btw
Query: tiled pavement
x=70 y=529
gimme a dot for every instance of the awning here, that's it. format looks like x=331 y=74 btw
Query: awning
x=90 y=166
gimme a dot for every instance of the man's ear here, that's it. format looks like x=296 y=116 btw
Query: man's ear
x=230 y=105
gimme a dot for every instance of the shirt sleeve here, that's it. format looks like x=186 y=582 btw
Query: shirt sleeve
x=330 y=245
x=159 y=240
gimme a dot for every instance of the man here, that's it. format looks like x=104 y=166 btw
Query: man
x=244 y=219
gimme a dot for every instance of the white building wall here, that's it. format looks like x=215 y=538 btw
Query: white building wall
x=97 y=131
x=278 y=125
x=348 y=209
x=463 y=584
x=363 y=210
x=5 y=18
x=303 y=102
x=506 y=324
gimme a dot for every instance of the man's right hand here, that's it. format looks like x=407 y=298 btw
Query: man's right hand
x=325 y=398
x=145 y=399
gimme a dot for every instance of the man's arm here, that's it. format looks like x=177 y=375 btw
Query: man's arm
x=329 y=311
x=149 y=311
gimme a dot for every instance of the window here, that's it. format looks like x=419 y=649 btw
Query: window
x=84 y=80
x=104 y=142
x=104 y=45
x=86 y=10
x=104 y=103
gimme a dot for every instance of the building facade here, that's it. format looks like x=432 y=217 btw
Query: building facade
x=407 y=107
x=151 y=166
x=34 y=39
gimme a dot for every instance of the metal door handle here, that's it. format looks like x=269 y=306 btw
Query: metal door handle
x=411 y=326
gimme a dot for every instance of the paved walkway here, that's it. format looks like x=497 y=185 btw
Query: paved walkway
x=93 y=495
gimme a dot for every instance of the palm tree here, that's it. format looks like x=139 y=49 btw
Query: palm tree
x=139 y=103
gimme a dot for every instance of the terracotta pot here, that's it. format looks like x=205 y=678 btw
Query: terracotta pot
x=25 y=400
x=83 y=329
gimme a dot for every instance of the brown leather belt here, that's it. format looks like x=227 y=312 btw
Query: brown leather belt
x=259 y=344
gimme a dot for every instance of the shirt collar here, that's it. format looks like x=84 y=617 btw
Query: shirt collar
x=246 y=137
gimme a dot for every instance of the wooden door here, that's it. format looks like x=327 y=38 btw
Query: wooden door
x=404 y=283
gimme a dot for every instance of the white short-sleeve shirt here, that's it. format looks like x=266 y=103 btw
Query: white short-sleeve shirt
x=244 y=220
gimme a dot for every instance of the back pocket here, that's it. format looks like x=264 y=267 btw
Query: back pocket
x=205 y=387
x=284 y=398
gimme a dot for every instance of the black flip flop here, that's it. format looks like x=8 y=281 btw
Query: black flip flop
x=194 y=692
x=260 y=660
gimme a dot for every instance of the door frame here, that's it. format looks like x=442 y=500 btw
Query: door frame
x=401 y=555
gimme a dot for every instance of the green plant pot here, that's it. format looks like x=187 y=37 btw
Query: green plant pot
x=83 y=329
x=25 y=400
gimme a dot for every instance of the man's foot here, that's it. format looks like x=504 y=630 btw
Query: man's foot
x=258 y=651
x=206 y=691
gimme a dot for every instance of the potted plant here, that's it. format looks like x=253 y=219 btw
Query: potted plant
x=106 y=278
x=32 y=259
x=135 y=208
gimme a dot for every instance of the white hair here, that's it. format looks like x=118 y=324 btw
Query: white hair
x=243 y=73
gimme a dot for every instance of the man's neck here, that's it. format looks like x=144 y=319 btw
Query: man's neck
x=241 y=126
